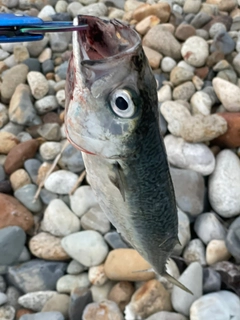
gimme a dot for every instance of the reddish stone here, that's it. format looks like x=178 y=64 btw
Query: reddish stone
x=17 y=155
x=13 y=213
x=184 y=31
x=201 y=72
x=51 y=117
x=21 y=312
x=231 y=138
x=214 y=58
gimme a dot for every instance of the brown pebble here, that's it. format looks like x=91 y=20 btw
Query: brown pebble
x=7 y=142
x=121 y=264
x=214 y=58
x=184 y=31
x=162 y=10
x=48 y=247
x=33 y=131
x=13 y=213
x=21 y=312
x=19 y=178
x=51 y=117
x=231 y=138
x=18 y=154
x=154 y=57
x=201 y=72
x=50 y=76
x=121 y=293
x=62 y=116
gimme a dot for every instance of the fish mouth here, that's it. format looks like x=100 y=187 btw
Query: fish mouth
x=104 y=40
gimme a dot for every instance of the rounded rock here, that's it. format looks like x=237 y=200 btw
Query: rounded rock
x=195 y=251
x=97 y=275
x=167 y=64
x=82 y=200
x=69 y=282
x=233 y=239
x=26 y=196
x=35 y=300
x=121 y=293
x=95 y=219
x=87 y=247
x=195 y=51
x=106 y=309
x=59 y=220
x=7 y=142
x=61 y=181
x=224 y=185
x=217 y=251
x=38 y=84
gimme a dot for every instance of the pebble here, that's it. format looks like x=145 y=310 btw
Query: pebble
x=49 y=150
x=195 y=251
x=58 y=302
x=164 y=94
x=59 y=220
x=232 y=240
x=3 y=115
x=115 y=240
x=59 y=41
x=26 y=196
x=12 y=240
x=201 y=103
x=224 y=185
x=216 y=251
x=19 y=178
x=71 y=159
x=162 y=10
x=95 y=9
x=105 y=309
x=180 y=75
x=11 y=79
x=184 y=234
x=3 y=284
x=21 y=110
x=211 y=280
x=146 y=24
x=224 y=305
x=167 y=64
x=184 y=91
x=166 y=315
x=7 y=312
x=102 y=292
x=162 y=41
x=192 y=279
x=46 y=104
x=121 y=264
x=21 y=152
x=61 y=181
x=222 y=42
x=79 y=299
x=20 y=53
x=193 y=156
x=36 y=275
x=50 y=131
x=35 y=300
x=43 y=316
x=96 y=275
x=121 y=293
x=7 y=142
x=82 y=200
x=209 y=227
x=87 y=247
x=189 y=190
x=3 y=298
x=73 y=8
x=13 y=213
x=95 y=219
x=69 y=282
x=33 y=64
x=154 y=57
x=75 y=267
x=230 y=96
x=32 y=166
x=45 y=246
x=38 y=84
x=195 y=51
x=148 y=299
x=184 y=31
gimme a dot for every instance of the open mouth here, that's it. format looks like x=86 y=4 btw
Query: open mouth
x=104 y=39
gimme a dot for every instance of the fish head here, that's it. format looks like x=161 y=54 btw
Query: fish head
x=109 y=89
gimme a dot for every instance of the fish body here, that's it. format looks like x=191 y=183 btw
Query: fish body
x=112 y=116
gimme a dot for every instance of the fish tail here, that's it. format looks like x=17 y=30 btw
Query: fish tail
x=176 y=282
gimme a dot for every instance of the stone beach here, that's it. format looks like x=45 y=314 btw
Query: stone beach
x=60 y=257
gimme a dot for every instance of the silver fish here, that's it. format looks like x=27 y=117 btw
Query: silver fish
x=111 y=116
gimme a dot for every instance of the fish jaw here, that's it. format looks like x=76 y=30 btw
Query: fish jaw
x=94 y=74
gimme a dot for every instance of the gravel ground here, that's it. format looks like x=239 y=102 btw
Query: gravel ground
x=60 y=258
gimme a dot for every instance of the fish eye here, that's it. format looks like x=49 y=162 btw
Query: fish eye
x=122 y=104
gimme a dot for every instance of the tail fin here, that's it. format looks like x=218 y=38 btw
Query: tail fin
x=176 y=282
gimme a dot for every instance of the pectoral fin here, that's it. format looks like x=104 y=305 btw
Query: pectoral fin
x=176 y=282
x=117 y=180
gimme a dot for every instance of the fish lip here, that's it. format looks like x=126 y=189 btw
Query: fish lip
x=80 y=39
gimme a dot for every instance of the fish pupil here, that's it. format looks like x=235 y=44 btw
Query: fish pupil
x=121 y=103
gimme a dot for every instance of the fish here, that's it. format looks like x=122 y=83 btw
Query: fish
x=111 y=115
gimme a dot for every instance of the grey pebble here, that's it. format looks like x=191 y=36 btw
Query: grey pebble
x=36 y=275
x=35 y=300
x=79 y=299
x=3 y=298
x=96 y=9
x=48 y=66
x=61 y=71
x=200 y=19
x=71 y=159
x=3 y=285
x=47 y=196
x=61 y=16
x=3 y=54
x=233 y=239
x=26 y=195
x=115 y=241
x=189 y=190
x=12 y=240
x=7 y=313
x=68 y=282
x=46 y=104
x=50 y=131
x=24 y=136
x=36 y=47
x=49 y=150
x=32 y=166
x=12 y=296
x=209 y=227
x=211 y=280
x=75 y=267
x=195 y=251
x=33 y=64
x=13 y=128
x=2 y=173
x=184 y=234
x=59 y=41
x=95 y=219
x=222 y=42
x=51 y=315
x=61 y=181
x=166 y=315
x=24 y=256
